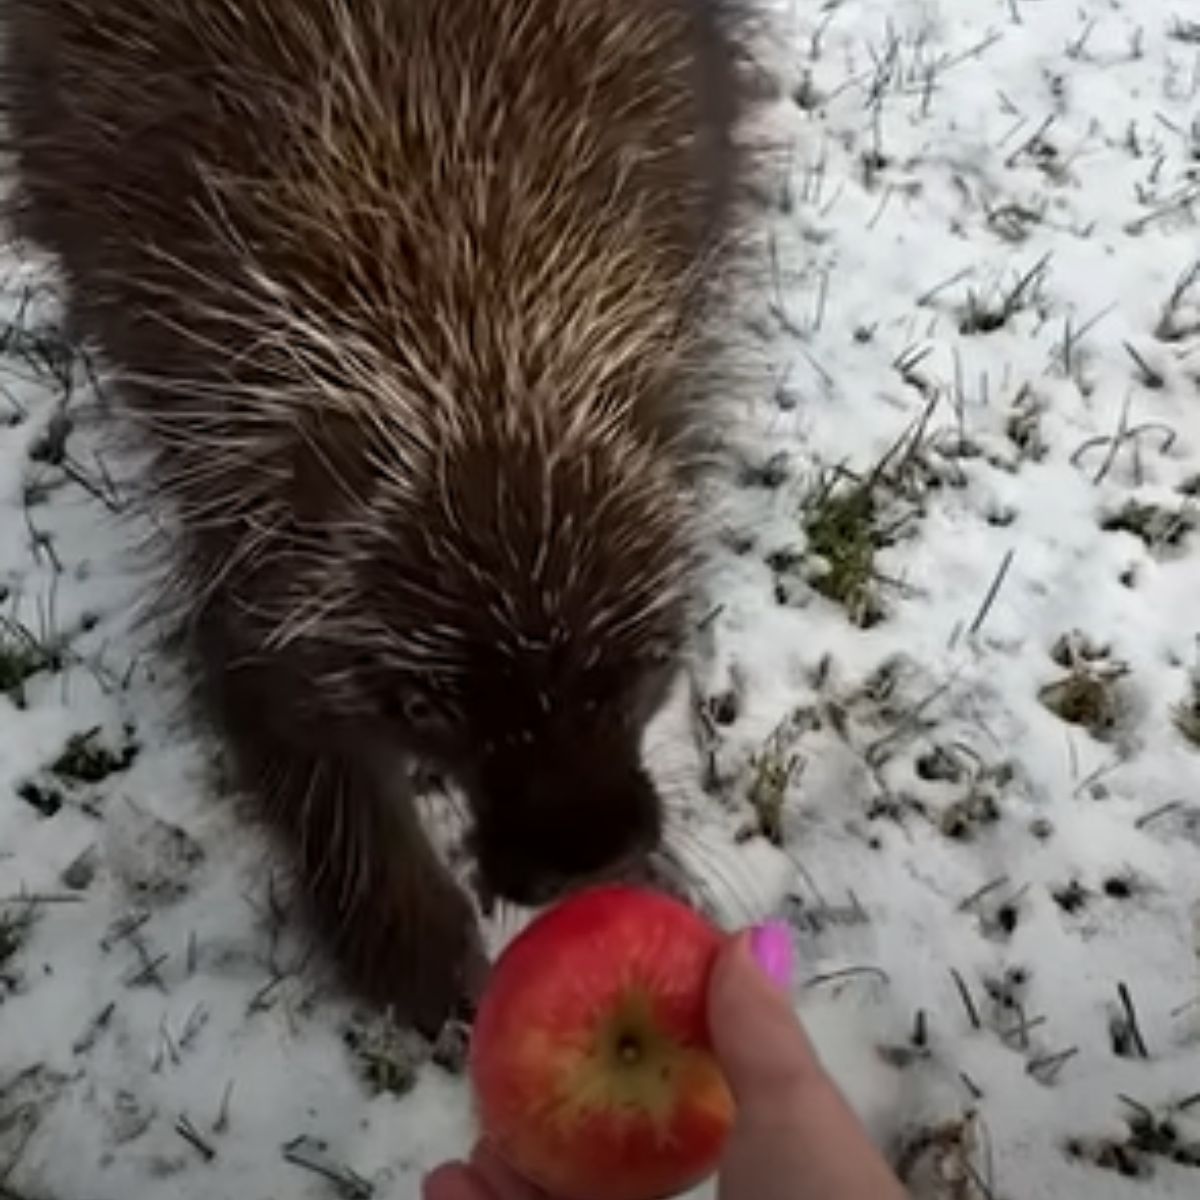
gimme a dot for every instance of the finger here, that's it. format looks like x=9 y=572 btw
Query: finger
x=795 y=1138
x=762 y=1047
x=455 y=1181
x=501 y=1178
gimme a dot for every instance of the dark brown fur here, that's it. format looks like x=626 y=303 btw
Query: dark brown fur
x=405 y=297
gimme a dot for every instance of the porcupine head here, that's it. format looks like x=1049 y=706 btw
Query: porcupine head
x=527 y=582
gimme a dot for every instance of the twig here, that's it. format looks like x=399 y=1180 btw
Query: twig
x=300 y=1152
x=1073 y=337
x=909 y=721
x=968 y=1002
x=925 y=297
x=1030 y=141
x=1118 y=439
x=1161 y=811
x=920 y=1033
x=123 y=928
x=258 y=1002
x=1131 y=1019
x=149 y=972
x=31 y=1123
x=979 y=894
x=981 y=1185
x=1021 y=1029
x=992 y=592
x=1182 y=199
x=94 y=1028
x=1049 y=1065
x=1150 y=377
x=1143 y=1110
x=848 y=973
x=222 y=1119
x=1133 y=432
x=1075 y=48
x=1186 y=1006
x=191 y=1135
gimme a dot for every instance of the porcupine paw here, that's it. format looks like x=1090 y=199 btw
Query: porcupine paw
x=430 y=963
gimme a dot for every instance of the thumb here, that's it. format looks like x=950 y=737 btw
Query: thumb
x=794 y=1137
x=763 y=1050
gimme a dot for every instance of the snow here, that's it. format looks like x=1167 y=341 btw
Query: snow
x=975 y=882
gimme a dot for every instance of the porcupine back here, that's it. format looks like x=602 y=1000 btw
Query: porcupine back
x=407 y=300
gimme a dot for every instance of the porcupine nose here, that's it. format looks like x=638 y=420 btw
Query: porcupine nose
x=550 y=833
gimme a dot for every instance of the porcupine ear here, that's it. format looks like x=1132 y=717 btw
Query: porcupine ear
x=661 y=651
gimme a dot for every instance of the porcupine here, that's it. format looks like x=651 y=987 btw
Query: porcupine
x=406 y=300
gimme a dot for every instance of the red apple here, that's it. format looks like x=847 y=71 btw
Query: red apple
x=590 y=1057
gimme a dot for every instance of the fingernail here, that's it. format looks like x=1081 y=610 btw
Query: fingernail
x=771 y=947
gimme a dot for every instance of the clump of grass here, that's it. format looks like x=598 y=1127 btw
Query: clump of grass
x=46 y=800
x=22 y=656
x=387 y=1056
x=15 y=926
x=1072 y=897
x=1178 y=318
x=1185 y=31
x=40 y=344
x=842 y=531
x=1086 y=698
x=51 y=447
x=78 y=874
x=805 y=95
x=451 y=1051
x=774 y=767
x=1156 y=526
x=18 y=663
x=940 y=764
x=978 y=788
x=846 y=521
x=1013 y=222
x=987 y=314
x=86 y=759
x=935 y=1154
x=1076 y=647
x=1088 y=694
x=1186 y=713
x=963 y=819
x=1149 y=1137
x=1024 y=426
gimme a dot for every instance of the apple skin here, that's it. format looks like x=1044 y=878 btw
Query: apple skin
x=590 y=1057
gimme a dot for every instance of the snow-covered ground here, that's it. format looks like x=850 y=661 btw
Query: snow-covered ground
x=948 y=716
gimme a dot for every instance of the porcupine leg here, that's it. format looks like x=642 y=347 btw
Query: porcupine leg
x=400 y=930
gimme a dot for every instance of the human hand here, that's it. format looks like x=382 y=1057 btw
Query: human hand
x=485 y=1177
x=795 y=1137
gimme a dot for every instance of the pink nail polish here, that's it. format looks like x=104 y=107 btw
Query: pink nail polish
x=771 y=946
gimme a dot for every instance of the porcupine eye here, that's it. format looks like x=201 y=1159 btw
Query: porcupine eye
x=416 y=710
